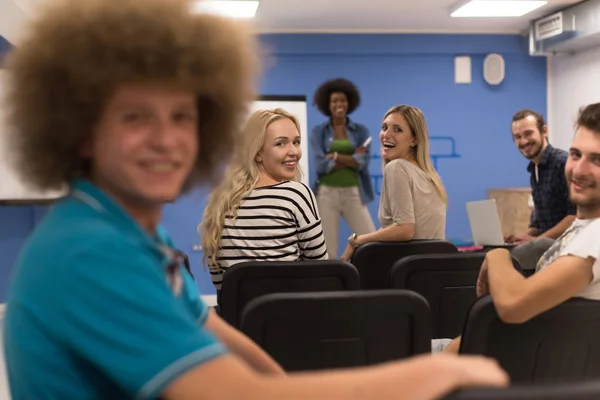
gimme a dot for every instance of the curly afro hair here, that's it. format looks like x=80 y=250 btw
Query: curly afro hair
x=77 y=52
x=322 y=96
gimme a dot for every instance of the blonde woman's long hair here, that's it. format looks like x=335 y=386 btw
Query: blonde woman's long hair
x=240 y=179
x=416 y=122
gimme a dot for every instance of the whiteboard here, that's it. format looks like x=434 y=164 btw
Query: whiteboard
x=295 y=105
x=12 y=187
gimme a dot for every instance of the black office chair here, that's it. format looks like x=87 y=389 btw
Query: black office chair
x=311 y=331
x=589 y=390
x=374 y=260
x=245 y=281
x=446 y=281
x=559 y=345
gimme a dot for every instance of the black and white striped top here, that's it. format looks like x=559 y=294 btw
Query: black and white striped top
x=274 y=223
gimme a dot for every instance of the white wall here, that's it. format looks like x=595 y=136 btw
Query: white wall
x=12 y=16
x=3 y=380
x=573 y=81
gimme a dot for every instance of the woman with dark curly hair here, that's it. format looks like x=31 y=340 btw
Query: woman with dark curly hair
x=343 y=183
x=129 y=103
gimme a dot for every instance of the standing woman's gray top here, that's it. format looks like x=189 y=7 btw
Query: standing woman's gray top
x=409 y=196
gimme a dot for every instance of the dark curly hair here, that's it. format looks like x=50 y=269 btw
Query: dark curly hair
x=322 y=96
x=539 y=118
x=77 y=52
x=589 y=117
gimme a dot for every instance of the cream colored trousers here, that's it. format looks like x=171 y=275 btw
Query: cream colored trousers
x=342 y=202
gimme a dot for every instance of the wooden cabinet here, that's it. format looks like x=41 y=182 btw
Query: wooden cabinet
x=513 y=208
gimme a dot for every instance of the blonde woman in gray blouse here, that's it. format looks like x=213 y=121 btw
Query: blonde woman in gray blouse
x=413 y=199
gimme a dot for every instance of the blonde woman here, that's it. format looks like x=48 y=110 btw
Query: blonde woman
x=413 y=199
x=261 y=211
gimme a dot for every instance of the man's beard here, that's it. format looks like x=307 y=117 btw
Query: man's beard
x=537 y=153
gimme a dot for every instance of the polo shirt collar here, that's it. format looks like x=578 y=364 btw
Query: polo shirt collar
x=93 y=196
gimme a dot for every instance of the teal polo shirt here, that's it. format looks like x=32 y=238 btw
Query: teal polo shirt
x=99 y=309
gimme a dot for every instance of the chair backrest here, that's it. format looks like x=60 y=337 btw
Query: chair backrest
x=559 y=345
x=589 y=390
x=311 y=331
x=374 y=260
x=447 y=282
x=245 y=281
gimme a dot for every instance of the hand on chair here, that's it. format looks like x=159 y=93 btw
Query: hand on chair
x=347 y=253
x=519 y=238
x=352 y=244
x=483 y=286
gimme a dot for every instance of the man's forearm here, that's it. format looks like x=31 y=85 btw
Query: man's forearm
x=418 y=378
x=252 y=354
x=413 y=379
x=242 y=346
x=504 y=280
x=533 y=231
x=560 y=228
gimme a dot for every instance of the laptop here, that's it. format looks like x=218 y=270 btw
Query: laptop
x=485 y=224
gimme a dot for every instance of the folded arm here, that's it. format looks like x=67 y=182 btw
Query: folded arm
x=358 y=160
x=323 y=164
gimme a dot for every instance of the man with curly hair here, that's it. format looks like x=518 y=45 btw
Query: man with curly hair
x=343 y=184
x=129 y=103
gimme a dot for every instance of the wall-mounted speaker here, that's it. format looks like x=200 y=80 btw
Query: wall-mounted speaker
x=493 y=69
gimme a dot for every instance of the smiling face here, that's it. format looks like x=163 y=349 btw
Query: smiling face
x=397 y=139
x=281 y=152
x=145 y=145
x=338 y=104
x=528 y=138
x=583 y=172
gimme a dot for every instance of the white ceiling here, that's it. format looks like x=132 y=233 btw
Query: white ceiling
x=425 y=16
x=374 y=16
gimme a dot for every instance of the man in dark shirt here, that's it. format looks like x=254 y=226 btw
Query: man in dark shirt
x=553 y=211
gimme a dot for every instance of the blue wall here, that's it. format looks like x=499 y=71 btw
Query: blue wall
x=419 y=70
x=389 y=70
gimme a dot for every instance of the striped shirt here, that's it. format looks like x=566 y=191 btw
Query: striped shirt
x=274 y=223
